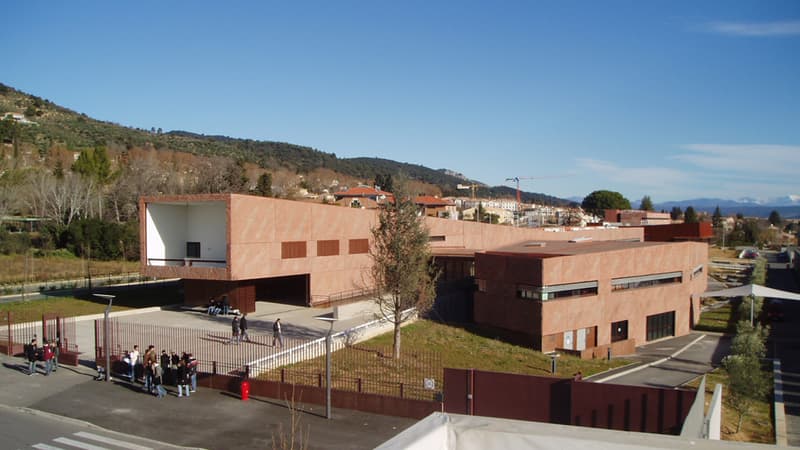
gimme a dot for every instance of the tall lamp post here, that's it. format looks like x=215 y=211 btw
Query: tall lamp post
x=110 y=299
x=328 y=345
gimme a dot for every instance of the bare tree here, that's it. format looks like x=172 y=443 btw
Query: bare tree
x=401 y=271
x=61 y=200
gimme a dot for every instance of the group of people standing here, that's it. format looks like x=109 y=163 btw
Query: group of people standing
x=48 y=353
x=166 y=369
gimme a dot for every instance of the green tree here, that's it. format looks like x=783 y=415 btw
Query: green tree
x=775 y=218
x=716 y=218
x=94 y=164
x=646 y=204
x=598 y=201
x=384 y=180
x=676 y=213
x=264 y=185
x=746 y=381
x=690 y=215
x=401 y=272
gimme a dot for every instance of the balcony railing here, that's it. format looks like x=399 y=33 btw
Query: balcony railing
x=186 y=262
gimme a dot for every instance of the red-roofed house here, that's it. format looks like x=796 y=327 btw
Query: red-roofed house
x=436 y=207
x=362 y=197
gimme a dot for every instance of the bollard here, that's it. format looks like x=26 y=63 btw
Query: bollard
x=245 y=390
x=609 y=353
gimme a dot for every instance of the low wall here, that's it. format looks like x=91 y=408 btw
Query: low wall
x=619 y=348
x=370 y=403
x=565 y=401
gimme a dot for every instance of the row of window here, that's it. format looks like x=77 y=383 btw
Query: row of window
x=297 y=249
x=621 y=284
x=589 y=288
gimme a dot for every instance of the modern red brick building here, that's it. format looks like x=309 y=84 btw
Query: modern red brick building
x=586 y=296
x=256 y=248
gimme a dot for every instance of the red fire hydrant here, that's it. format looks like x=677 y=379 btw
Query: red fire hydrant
x=245 y=390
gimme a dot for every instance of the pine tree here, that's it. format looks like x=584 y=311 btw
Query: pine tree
x=401 y=272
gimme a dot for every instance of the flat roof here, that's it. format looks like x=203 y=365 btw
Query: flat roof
x=547 y=249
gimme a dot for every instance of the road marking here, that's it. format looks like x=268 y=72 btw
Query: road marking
x=108 y=440
x=78 y=444
x=46 y=447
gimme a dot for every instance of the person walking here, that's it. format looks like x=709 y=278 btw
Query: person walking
x=234 y=330
x=32 y=354
x=243 y=328
x=133 y=357
x=183 y=378
x=277 y=333
x=47 y=352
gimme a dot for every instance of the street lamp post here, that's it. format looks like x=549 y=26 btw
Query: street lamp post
x=328 y=350
x=110 y=299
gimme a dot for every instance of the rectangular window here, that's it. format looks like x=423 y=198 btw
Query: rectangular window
x=328 y=248
x=619 y=284
x=436 y=238
x=358 y=246
x=192 y=249
x=293 y=249
x=619 y=331
x=660 y=325
x=697 y=271
x=545 y=293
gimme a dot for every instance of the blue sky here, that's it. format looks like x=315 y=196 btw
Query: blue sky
x=675 y=100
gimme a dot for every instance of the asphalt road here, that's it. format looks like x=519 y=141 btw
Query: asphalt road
x=697 y=359
x=22 y=428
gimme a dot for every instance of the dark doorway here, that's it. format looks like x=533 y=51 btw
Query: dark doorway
x=292 y=290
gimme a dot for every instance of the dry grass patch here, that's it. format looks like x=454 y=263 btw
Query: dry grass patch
x=757 y=427
x=19 y=268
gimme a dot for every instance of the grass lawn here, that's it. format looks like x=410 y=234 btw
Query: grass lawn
x=757 y=427
x=142 y=297
x=722 y=319
x=473 y=347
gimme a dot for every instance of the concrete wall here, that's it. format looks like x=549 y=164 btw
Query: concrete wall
x=207 y=223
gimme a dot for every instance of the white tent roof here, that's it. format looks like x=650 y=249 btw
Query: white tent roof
x=752 y=289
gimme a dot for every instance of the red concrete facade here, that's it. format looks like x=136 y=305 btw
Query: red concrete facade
x=504 y=277
x=635 y=217
x=274 y=239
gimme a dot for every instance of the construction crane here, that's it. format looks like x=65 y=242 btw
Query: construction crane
x=468 y=186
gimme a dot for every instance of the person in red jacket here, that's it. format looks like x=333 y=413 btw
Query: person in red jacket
x=48 y=358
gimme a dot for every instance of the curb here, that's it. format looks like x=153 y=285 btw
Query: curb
x=78 y=422
x=651 y=364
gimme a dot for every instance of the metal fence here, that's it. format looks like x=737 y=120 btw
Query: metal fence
x=13 y=336
x=298 y=361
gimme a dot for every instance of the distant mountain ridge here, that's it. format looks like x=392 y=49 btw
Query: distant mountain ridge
x=788 y=207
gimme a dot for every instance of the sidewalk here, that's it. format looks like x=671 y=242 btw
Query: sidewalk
x=208 y=419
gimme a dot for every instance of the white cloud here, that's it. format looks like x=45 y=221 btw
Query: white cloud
x=784 y=28
x=756 y=160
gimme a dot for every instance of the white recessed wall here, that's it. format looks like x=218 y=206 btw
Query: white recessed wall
x=170 y=226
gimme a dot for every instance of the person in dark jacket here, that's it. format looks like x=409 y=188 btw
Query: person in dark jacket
x=32 y=355
x=243 y=328
x=158 y=380
x=234 y=331
x=183 y=378
x=164 y=361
